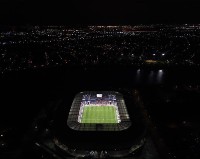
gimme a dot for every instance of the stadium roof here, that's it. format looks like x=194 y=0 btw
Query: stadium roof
x=98 y=140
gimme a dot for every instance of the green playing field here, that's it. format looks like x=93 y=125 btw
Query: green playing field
x=99 y=114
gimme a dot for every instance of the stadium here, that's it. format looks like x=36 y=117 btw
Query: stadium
x=99 y=125
x=98 y=111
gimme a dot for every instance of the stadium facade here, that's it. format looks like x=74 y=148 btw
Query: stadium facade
x=98 y=100
x=98 y=139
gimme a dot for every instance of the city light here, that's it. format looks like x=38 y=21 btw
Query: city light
x=64 y=46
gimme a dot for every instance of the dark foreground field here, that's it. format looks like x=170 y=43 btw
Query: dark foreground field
x=170 y=96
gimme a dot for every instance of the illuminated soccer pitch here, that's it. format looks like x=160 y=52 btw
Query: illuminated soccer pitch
x=99 y=114
x=98 y=111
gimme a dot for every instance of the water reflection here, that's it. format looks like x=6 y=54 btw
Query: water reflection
x=138 y=76
x=149 y=77
x=160 y=76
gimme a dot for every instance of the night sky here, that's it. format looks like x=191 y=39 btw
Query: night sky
x=98 y=12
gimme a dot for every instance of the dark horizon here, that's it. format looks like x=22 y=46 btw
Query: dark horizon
x=88 y=12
